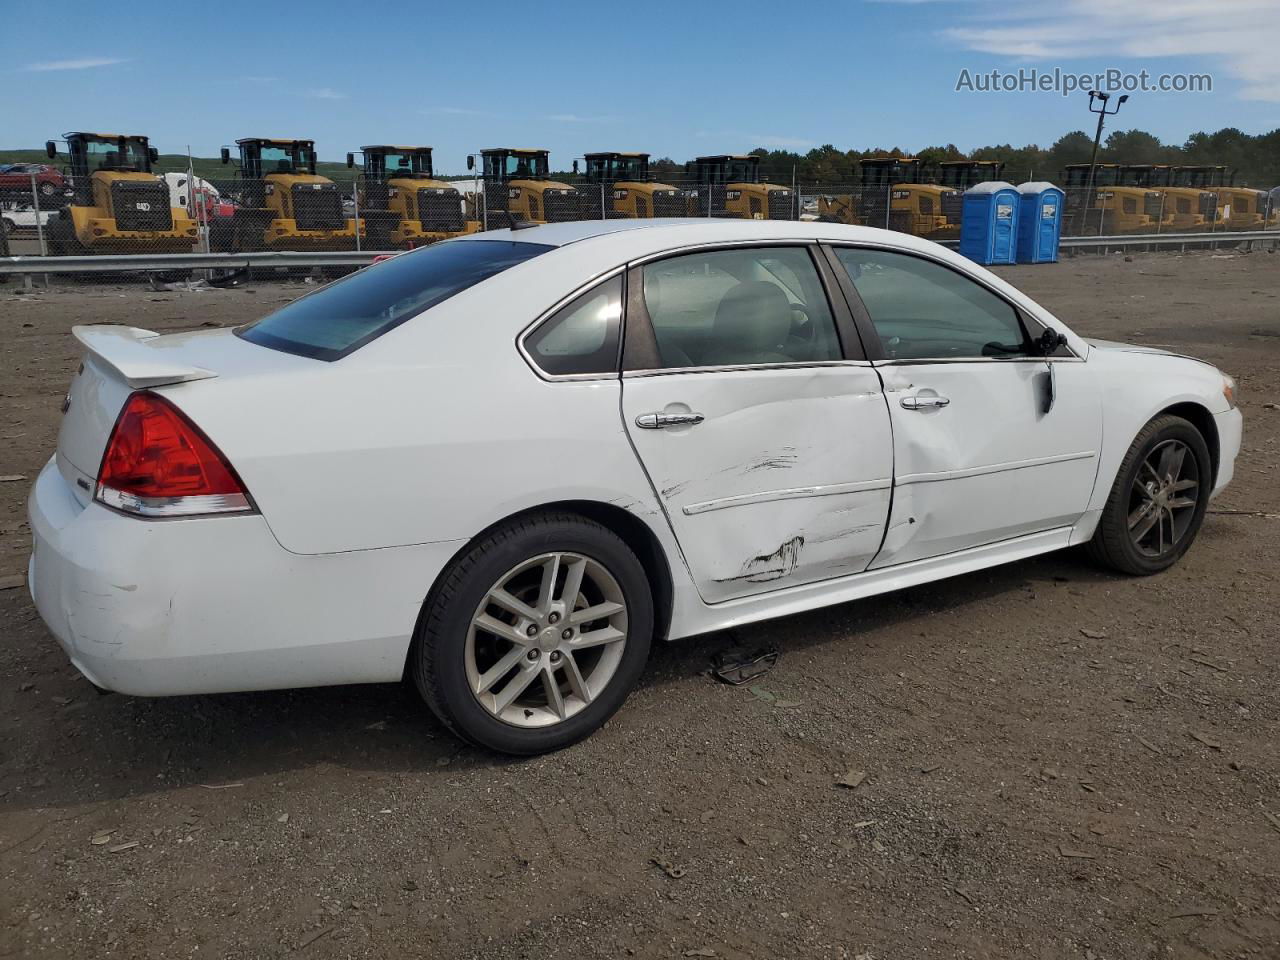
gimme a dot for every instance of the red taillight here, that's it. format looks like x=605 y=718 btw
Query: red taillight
x=159 y=464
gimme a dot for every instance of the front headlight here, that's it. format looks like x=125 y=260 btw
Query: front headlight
x=1230 y=391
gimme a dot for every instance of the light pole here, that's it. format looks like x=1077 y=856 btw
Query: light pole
x=1102 y=112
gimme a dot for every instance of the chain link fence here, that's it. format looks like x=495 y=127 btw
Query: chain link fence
x=45 y=211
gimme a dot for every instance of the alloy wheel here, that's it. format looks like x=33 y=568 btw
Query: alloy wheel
x=1163 y=498
x=546 y=639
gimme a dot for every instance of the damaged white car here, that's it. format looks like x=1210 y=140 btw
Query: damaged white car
x=504 y=465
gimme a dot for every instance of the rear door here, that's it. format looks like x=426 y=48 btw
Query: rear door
x=762 y=427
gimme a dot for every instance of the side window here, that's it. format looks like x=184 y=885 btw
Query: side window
x=582 y=336
x=925 y=311
x=733 y=307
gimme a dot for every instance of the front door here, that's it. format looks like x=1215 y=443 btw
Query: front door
x=769 y=450
x=989 y=444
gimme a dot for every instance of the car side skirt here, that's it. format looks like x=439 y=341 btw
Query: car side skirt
x=692 y=619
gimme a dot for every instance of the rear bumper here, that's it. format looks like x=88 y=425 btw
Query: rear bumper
x=1230 y=435
x=216 y=605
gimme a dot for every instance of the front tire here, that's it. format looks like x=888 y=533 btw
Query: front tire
x=535 y=636
x=1158 y=500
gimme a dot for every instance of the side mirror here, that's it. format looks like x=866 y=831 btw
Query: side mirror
x=51 y=149
x=225 y=154
x=351 y=160
x=153 y=154
x=471 y=161
x=1049 y=341
x=575 y=166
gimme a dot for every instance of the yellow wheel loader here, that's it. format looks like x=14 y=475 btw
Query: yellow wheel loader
x=895 y=196
x=729 y=185
x=281 y=203
x=622 y=181
x=117 y=205
x=1111 y=206
x=401 y=203
x=1182 y=207
x=1235 y=207
x=518 y=188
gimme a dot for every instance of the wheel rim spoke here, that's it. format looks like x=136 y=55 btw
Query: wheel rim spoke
x=499 y=670
x=597 y=612
x=507 y=602
x=516 y=686
x=577 y=682
x=1137 y=516
x=1146 y=522
x=500 y=629
x=546 y=592
x=596 y=638
x=573 y=583
x=552 y=688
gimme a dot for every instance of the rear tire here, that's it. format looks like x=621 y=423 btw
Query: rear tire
x=1166 y=475
x=528 y=674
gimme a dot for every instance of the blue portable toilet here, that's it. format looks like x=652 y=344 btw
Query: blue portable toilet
x=989 y=223
x=1039 y=222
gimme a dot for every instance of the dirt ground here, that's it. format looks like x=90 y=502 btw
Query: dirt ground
x=1058 y=762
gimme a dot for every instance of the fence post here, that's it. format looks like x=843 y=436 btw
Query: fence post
x=35 y=205
x=1160 y=222
x=355 y=201
x=888 y=203
x=604 y=214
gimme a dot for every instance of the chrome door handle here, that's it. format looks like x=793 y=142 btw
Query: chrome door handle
x=656 y=421
x=923 y=403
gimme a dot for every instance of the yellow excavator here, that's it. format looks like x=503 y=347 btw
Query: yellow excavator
x=518 y=188
x=894 y=196
x=282 y=203
x=729 y=185
x=622 y=180
x=402 y=204
x=1112 y=206
x=117 y=205
x=1234 y=207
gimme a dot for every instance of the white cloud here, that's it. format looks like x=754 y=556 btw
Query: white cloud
x=577 y=118
x=1237 y=37
x=324 y=93
x=84 y=63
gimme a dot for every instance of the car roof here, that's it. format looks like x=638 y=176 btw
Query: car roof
x=643 y=236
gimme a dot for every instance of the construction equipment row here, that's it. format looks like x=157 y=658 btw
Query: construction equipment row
x=117 y=204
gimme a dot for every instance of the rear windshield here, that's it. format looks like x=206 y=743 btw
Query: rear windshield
x=344 y=316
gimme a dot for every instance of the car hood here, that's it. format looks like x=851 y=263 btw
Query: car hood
x=1116 y=346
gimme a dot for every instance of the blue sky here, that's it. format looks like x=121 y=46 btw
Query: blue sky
x=672 y=79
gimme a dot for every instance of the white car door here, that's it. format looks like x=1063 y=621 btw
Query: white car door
x=761 y=425
x=992 y=440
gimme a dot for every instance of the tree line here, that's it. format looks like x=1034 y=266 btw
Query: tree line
x=1254 y=159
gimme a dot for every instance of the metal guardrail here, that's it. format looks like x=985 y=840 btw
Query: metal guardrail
x=162 y=262
x=297 y=260
x=1123 y=240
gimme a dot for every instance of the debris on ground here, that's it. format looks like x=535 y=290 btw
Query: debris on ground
x=667 y=867
x=851 y=779
x=736 y=666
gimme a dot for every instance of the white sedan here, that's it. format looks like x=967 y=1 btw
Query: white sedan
x=504 y=465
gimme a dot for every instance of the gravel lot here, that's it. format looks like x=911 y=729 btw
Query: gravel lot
x=1058 y=762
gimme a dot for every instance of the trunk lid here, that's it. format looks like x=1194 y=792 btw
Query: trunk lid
x=121 y=360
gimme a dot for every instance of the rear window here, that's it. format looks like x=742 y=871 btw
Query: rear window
x=344 y=316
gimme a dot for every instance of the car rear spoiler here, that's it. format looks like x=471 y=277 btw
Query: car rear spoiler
x=128 y=351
